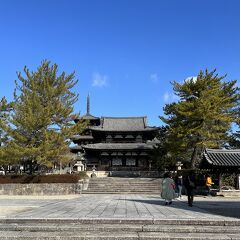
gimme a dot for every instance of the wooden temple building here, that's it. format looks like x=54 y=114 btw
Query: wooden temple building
x=115 y=143
x=221 y=160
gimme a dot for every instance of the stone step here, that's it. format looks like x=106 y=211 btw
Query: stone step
x=119 y=185
x=123 y=180
x=113 y=236
x=122 y=184
x=120 y=227
x=126 y=181
x=126 y=188
x=117 y=231
x=128 y=221
x=120 y=192
x=112 y=185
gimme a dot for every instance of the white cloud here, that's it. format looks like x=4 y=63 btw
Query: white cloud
x=99 y=80
x=154 y=77
x=169 y=97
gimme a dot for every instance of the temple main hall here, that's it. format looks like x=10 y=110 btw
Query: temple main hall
x=115 y=143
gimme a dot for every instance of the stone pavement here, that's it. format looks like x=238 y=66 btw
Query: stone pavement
x=117 y=206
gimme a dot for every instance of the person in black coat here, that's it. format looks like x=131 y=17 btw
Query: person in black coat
x=190 y=185
x=179 y=184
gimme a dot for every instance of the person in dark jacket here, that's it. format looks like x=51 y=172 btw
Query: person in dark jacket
x=179 y=184
x=190 y=185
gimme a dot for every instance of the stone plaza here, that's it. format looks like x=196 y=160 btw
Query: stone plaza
x=118 y=216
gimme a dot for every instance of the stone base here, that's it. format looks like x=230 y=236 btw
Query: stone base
x=41 y=189
x=229 y=193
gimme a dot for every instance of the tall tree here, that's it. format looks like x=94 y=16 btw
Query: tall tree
x=235 y=136
x=161 y=156
x=203 y=115
x=5 y=109
x=42 y=121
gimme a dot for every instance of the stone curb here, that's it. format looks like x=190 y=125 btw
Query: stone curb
x=208 y=222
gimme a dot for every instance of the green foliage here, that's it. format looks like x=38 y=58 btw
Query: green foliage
x=5 y=109
x=41 y=124
x=235 y=137
x=203 y=115
x=83 y=175
x=160 y=156
x=234 y=140
x=229 y=179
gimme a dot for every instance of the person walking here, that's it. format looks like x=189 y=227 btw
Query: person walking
x=168 y=189
x=179 y=183
x=208 y=184
x=190 y=185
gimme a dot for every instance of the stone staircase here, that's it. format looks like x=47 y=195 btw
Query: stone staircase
x=124 y=185
x=116 y=229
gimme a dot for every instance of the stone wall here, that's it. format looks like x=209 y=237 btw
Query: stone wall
x=41 y=189
x=229 y=193
x=98 y=173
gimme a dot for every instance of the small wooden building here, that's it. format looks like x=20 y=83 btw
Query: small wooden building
x=222 y=161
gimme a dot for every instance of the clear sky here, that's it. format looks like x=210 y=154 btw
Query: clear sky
x=124 y=52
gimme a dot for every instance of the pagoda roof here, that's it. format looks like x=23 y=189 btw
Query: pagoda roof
x=123 y=124
x=222 y=158
x=88 y=116
x=118 y=146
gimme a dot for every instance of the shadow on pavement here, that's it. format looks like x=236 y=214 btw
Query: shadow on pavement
x=226 y=208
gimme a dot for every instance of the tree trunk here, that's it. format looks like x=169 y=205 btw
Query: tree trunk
x=31 y=167
x=194 y=157
x=220 y=181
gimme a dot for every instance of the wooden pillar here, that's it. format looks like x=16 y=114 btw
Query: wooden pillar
x=238 y=181
x=220 y=180
x=137 y=157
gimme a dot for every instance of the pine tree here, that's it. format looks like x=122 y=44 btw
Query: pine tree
x=161 y=156
x=5 y=109
x=235 y=136
x=42 y=121
x=203 y=115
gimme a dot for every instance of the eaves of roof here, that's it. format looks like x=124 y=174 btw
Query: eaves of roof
x=221 y=158
x=118 y=146
x=147 y=129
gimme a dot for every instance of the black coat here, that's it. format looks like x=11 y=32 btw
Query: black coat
x=189 y=182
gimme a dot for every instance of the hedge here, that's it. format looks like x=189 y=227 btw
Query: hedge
x=53 y=178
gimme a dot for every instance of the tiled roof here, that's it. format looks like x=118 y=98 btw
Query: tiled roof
x=123 y=124
x=118 y=146
x=217 y=157
x=78 y=137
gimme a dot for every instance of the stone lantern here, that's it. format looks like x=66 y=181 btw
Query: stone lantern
x=79 y=164
x=179 y=165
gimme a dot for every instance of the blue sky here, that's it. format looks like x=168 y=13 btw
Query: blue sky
x=124 y=52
